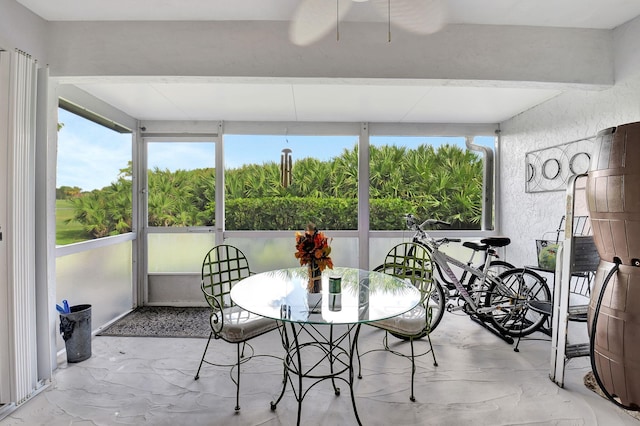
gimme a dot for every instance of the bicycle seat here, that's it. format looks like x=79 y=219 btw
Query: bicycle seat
x=487 y=243
x=475 y=245
x=496 y=241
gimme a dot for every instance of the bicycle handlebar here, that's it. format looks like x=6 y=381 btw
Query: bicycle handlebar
x=412 y=223
x=452 y=240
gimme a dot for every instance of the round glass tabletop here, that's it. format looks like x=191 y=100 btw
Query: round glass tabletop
x=365 y=296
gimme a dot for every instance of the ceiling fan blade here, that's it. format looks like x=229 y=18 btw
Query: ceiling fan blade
x=313 y=19
x=418 y=16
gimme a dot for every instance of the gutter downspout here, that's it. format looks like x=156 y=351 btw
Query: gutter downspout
x=487 y=183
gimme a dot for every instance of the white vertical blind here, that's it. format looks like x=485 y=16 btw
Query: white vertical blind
x=5 y=390
x=20 y=234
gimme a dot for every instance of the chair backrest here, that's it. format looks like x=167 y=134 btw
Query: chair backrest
x=412 y=262
x=222 y=267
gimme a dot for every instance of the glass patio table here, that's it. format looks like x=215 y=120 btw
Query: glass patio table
x=320 y=331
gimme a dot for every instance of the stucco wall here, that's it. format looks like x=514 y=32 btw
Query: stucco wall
x=568 y=117
x=22 y=29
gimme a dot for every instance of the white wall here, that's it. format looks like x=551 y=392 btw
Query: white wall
x=568 y=117
x=22 y=29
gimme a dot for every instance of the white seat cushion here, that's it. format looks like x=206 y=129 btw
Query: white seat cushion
x=411 y=323
x=240 y=325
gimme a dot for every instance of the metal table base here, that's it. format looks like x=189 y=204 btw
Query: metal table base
x=312 y=356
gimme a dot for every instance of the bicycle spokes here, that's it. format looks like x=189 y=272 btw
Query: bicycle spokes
x=508 y=300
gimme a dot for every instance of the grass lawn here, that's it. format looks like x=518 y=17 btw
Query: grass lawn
x=71 y=232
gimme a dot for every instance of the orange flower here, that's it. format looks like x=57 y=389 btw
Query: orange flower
x=313 y=246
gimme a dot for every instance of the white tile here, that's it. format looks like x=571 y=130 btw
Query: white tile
x=479 y=380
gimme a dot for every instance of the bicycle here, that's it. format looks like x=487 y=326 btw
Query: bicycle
x=445 y=293
x=494 y=294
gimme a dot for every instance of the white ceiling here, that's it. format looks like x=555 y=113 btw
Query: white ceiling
x=350 y=100
x=271 y=100
x=604 y=14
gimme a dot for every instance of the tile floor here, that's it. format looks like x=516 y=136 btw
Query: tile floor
x=479 y=381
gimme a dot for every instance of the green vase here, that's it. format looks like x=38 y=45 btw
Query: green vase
x=315 y=278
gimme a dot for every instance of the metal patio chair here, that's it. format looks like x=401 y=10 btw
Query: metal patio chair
x=410 y=262
x=222 y=267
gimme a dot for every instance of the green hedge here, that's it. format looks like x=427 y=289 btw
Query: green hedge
x=293 y=213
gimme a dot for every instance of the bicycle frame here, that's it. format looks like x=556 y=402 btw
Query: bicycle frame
x=443 y=261
x=463 y=277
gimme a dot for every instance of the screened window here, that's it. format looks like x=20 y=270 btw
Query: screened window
x=181 y=194
x=93 y=183
x=283 y=182
x=181 y=183
x=430 y=177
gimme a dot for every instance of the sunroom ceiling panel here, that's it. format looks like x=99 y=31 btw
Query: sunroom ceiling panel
x=139 y=100
x=346 y=102
x=476 y=104
x=231 y=101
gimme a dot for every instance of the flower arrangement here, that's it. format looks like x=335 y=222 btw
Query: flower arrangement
x=312 y=247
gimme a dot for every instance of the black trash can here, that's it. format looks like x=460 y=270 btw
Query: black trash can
x=75 y=328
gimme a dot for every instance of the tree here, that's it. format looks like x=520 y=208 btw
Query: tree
x=67 y=192
x=443 y=183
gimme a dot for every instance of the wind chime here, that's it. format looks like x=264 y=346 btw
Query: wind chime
x=285 y=167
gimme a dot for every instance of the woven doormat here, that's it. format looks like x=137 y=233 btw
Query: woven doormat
x=590 y=383
x=162 y=321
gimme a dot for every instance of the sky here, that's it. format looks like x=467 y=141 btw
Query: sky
x=90 y=156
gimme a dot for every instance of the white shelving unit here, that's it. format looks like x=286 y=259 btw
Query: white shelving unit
x=575 y=260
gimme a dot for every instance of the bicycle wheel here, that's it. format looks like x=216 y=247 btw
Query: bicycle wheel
x=496 y=267
x=436 y=298
x=510 y=296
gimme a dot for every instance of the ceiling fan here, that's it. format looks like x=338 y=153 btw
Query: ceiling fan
x=313 y=19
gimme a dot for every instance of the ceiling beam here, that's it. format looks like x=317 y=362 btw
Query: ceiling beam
x=459 y=54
